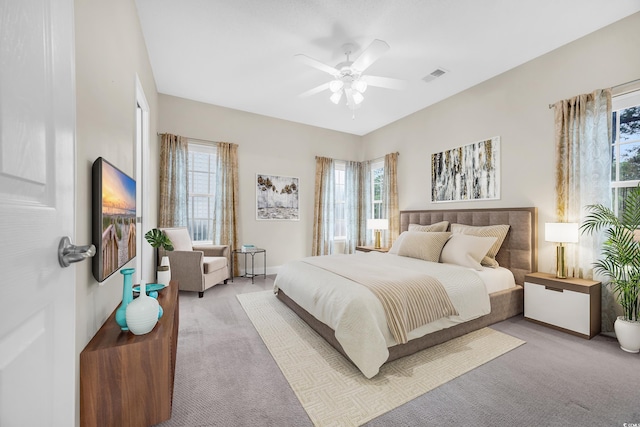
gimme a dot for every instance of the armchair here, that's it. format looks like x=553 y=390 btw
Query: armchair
x=196 y=267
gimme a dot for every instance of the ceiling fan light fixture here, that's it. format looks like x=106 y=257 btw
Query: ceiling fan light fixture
x=359 y=85
x=357 y=97
x=335 y=85
x=336 y=96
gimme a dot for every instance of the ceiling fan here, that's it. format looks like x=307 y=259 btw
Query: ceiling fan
x=348 y=77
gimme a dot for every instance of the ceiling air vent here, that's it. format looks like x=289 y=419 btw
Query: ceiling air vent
x=434 y=75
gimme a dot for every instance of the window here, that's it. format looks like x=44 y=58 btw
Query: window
x=625 y=147
x=377 y=179
x=202 y=191
x=340 y=201
x=340 y=220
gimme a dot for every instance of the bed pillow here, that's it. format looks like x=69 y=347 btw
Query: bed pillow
x=497 y=231
x=438 y=226
x=395 y=247
x=425 y=246
x=466 y=250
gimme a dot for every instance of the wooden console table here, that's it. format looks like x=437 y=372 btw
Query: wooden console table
x=127 y=379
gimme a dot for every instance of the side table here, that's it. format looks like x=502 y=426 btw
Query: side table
x=253 y=253
x=371 y=249
x=571 y=305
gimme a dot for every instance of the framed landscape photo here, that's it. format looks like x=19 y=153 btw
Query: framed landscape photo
x=470 y=172
x=277 y=197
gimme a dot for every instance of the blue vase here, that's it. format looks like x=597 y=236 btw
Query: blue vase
x=127 y=297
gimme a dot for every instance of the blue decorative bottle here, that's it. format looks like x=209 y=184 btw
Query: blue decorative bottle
x=127 y=297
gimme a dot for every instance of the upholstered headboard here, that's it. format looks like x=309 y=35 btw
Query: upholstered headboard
x=519 y=251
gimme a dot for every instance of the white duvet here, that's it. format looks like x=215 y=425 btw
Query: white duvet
x=357 y=316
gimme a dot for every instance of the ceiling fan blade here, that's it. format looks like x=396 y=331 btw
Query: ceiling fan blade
x=317 y=64
x=370 y=55
x=315 y=90
x=385 y=82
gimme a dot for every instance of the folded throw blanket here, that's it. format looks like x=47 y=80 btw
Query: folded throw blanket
x=410 y=299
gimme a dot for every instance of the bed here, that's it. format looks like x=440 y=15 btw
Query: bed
x=517 y=254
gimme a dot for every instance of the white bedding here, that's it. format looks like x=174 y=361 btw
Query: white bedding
x=356 y=315
x=497 y=279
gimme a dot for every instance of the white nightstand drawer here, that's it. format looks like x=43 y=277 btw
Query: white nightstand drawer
x=559 y=307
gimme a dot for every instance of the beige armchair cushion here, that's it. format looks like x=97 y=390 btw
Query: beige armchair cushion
x=179 y=238
x=212 y=264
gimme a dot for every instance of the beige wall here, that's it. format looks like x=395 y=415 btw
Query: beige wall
x=265 y=145
x=110 y=52
x=514 y=106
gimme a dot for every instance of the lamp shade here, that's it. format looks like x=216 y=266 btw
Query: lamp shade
x=378 y=224
x=561 y=232
x=335 y=97
x=357 y=97
x=335 y=85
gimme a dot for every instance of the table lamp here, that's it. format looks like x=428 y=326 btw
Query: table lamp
x=376 y=225
x=561 y=232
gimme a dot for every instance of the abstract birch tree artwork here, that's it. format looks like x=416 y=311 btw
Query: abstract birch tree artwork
x=466 y=173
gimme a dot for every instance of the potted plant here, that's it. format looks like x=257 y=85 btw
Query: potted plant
x=621 y=263
x=157 y=239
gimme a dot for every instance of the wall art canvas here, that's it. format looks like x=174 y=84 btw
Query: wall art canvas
x=471 y=172
x=277 y=197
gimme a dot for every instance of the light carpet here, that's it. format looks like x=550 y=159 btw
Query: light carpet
x=333 y=391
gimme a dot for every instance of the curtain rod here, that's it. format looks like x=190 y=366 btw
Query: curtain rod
x=193 y=139
x=341 y=160
x=612 y=87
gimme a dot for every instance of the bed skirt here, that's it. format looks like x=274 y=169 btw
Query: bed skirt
x=504 y=304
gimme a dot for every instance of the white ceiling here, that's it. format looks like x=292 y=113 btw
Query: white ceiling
x=240 y=53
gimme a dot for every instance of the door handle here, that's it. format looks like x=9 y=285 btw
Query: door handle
x=69 y=253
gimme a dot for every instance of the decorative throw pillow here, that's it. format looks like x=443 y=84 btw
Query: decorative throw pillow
x=425 y=246
x=497 y=231
x=466 y=250
x=438 y=226
x=395 y=247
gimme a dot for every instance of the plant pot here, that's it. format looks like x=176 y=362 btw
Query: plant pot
x=164 y=276
x=164 y=271
x=628 y=334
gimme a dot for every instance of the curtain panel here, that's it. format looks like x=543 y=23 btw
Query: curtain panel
x=174 y=181
x=390 y=198
x=353 y=187
x=365 y=202
x=583 y=174
x=225 y=211
x=323 y=207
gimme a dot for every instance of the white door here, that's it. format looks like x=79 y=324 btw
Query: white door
x=37 y=164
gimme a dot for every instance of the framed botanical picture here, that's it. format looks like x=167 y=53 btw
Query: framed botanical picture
x=277 y=197
x=470 y=172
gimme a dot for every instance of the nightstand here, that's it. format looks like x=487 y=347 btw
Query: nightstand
x=570 y=305
x=371 y=248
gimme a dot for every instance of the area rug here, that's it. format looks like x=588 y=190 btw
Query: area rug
x=333 y=391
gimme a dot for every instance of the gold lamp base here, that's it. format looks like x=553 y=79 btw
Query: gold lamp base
x=377 y=239
x=561 y=268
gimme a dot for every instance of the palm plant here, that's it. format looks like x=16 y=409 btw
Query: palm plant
x=158 y=239
x=620 y=251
